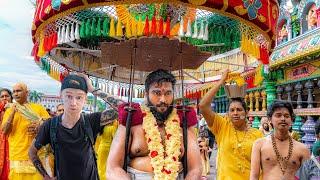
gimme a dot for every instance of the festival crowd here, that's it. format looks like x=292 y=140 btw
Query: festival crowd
x=161 y=138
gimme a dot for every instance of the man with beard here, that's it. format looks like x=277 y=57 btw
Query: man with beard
x=59 y=109
x=156 y=141
x=279 y=156
x=265 y=127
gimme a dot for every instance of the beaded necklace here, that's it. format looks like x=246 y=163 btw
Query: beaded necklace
x=282 y=161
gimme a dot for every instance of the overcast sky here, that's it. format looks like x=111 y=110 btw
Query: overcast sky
x=16 y=64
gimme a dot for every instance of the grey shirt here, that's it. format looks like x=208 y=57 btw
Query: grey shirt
x=309 y=170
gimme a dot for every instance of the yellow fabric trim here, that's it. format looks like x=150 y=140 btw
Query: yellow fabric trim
x=269 y=16
x=85 y=2
x=22 y=167
x=72 y=10
x=225 y=5
x=197 y=2
x=66 y=1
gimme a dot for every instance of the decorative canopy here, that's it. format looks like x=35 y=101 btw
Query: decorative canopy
x=261 y=15
x=106 y=38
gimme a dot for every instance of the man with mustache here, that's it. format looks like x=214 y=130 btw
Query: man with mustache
x=279 y=156
x=265 y=127
x=156 y=141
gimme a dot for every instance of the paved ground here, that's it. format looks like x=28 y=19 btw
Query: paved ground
x=212 y=175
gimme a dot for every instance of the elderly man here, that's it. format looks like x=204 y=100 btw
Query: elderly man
x=156 y=143
x=21 y=128
x=279 y=156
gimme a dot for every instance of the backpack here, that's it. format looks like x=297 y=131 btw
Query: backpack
x=54 y=144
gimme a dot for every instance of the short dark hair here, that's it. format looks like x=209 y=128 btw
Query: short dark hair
x=8 y=91
x=159 y=76
x=280 y=104
x=240 y=100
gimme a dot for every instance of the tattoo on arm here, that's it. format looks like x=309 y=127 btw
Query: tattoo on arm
x=112 y=101
x=37 y=163
x=108 y=116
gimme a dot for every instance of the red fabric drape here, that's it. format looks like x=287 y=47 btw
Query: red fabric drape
x=4 y=154
x=264 y=55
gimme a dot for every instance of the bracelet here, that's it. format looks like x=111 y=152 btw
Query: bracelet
x=95 y=90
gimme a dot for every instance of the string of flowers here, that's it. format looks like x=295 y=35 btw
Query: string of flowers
x=164 y=159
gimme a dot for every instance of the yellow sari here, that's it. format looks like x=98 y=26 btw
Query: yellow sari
x=103 y=147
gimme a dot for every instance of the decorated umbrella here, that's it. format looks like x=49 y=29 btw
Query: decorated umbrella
x=122 y=41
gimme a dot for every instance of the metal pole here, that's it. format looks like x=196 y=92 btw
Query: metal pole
x=95 y=97
x=184 y=118
x=130 y=109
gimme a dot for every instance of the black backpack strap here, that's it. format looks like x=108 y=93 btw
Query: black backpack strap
x=88 y=130
x=89 y=135
x=54 y=143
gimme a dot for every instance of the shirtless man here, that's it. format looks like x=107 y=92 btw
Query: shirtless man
x=154 y=152
x=278 y=155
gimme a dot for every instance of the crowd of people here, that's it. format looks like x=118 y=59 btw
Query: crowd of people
x=69 y=144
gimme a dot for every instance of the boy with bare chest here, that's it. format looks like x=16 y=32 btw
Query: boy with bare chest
x=279 y=156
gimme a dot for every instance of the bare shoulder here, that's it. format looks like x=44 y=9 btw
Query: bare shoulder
x=259 y=142
x=301 y=147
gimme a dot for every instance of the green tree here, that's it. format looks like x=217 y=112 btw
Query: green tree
x=100 y=103
x=35 y=96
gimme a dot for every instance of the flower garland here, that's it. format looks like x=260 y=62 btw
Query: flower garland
x=164 y=160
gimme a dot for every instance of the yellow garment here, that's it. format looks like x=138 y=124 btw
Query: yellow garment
x=104 y=148
x=97 y=143
x=24 y=176
x=20 y=141
x=205 y=158
x=233 y=160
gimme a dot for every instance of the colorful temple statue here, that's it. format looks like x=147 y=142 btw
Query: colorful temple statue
x=312 y=17
x=283 y=34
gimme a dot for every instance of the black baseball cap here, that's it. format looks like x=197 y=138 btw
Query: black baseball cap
x=75 y=82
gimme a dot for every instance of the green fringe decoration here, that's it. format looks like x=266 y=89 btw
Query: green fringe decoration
x=221 y=30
